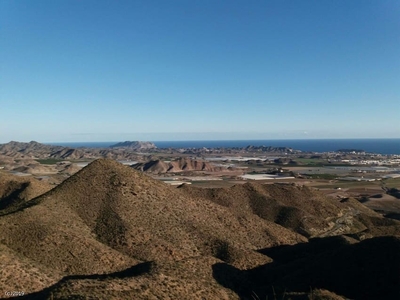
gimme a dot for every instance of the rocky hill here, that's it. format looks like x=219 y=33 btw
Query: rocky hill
x=107 y=217
x=111 y=232
x=35 y=150
x=152 y=166
x=177 y=166
x=31 y=149
x=299 y=208
x=135 y=145
x=15 y=190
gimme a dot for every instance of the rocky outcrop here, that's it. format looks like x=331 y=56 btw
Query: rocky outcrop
x=135 y=145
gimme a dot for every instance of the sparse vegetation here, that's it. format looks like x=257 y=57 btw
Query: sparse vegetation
x=392 y=183
x=48 y=161
x=312 y=161
x=322 y=176
x=113 y=232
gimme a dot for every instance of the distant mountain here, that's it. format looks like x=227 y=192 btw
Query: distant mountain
x=128 y=150
x=135 y=145
x=31 y=149
x=35 y=150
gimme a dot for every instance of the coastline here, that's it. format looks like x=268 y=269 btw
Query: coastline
x=382 y=146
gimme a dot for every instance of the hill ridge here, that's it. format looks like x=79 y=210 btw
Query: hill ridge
x=108 y=218
x=179 y=165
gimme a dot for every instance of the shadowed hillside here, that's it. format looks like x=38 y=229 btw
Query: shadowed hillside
x=176 y=166
x=364 y=270
x=108 y=217
x=152 y=166
x=15 y=190
x=190 y=278
x=298 y=208
x=111 y=232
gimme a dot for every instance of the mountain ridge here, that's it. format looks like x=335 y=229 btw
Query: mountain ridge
x=118 y=233
x=177 y=166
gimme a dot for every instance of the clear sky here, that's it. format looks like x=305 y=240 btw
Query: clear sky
x=94 y=70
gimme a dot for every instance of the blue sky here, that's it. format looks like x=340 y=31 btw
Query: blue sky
x=207 y=69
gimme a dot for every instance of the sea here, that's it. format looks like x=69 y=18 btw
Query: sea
x=381 y=146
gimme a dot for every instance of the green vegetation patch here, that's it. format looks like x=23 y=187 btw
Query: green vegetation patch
x=392 y=182
x=321 y=176
x=48 y=161
x=311 y=161
x=318 y=162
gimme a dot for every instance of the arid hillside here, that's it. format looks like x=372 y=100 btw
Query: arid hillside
x=114 y=215
x=35 y=150
x=15 y=190
x=299 y=208
x=111 y=232
x=177 y=166
x=31 y=149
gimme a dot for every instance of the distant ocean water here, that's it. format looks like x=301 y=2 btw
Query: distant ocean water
x=383 y=146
